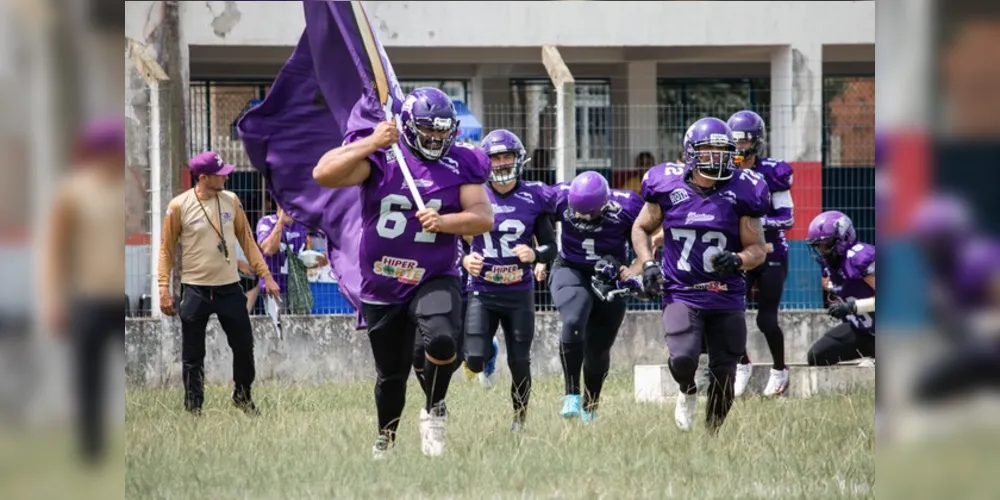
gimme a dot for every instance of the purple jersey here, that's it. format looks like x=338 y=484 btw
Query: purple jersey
x=696 y=227
x=781 y=216
x=396 y=254
x=584 y=248
x=514 y=215
x=294 y=236
x=848 y=281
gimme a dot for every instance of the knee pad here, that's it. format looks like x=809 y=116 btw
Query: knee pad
x=475 y=364
x=684 y=364
x=441 y=347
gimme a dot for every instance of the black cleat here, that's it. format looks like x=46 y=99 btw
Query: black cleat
x=244 y=402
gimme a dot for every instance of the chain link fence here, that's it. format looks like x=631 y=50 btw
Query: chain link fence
x=618 y=140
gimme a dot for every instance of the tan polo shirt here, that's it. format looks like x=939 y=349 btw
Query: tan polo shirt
x=192 y=227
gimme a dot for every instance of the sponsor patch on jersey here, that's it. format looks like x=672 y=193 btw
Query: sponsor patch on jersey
x=403 y=270
x=504 y=275
x=712 y=286
x=678 y=195
x=503 y=209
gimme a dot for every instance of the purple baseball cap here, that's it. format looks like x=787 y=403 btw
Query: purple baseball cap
x=209 y=163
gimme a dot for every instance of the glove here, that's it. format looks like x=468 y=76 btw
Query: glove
x=726 y=263
x=652 y=278
x=843 y=309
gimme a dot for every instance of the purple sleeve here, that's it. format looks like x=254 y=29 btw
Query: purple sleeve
x=782 y=213
x=754 y=198
x=264 y=228
x=632 y=205
x=862 y=259
x=475 y=166
x=548 y=195
x=652 y=190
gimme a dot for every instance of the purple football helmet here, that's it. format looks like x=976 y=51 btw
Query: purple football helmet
x=709 y=148
x=502 y=141
x=430 y=123
x=588 y=195
x=830 y=235
x=748 y=126
x=942 y=219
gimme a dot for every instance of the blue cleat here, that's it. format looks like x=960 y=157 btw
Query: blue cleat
x=588 y=417
x=491 y=364
x=572 y=406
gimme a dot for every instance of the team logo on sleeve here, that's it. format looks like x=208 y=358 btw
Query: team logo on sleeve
x=729 y=196
x=402 y=270
x=678 y=195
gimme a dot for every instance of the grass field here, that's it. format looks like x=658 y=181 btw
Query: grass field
x=314 y=442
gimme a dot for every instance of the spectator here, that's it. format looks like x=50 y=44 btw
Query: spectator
x=206 y=223
x=643 y=162
x=281 y=240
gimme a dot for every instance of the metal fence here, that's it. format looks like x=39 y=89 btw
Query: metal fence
x=617 y=140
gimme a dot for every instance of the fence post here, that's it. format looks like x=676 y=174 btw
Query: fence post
x=153 y=74
x=565 y=86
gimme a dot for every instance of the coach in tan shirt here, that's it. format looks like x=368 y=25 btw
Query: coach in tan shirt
x=203 y=224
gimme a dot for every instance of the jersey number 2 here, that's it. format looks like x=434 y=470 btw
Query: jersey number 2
x=512 y=230
x=392 y=223
x=715 y=240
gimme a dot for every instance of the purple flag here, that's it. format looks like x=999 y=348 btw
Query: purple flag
x=338 y=80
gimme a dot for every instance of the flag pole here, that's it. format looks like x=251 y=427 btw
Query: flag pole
x=384 y=96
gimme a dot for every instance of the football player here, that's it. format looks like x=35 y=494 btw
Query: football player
x=410 y=284
x=750 y=133
x=499 y=265
x=710 y=213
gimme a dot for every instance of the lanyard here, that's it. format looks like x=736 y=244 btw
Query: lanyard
x=223 y=248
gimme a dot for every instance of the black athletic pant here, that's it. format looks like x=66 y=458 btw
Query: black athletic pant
x=770 y=280
x=687 y=332
x=229 y=304
x=839 y=344
x=94 y=328
x=515 y=312
x=434 y=311
x=972 y=366
x=590 y=327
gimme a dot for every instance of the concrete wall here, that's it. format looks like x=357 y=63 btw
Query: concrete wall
x=529 y=24
x=328 y=348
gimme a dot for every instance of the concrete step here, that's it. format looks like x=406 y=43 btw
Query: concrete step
x=655 y=384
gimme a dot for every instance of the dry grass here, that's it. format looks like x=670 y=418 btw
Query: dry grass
x=314 y=442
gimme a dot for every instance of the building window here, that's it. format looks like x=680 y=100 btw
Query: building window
x=457 y=90
x=682 y=102
x=533 y=117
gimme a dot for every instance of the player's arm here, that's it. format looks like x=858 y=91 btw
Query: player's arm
x=782 y=215
x=752 y=239
x=650 y=219
x=348 y=165
x=545 y=238
x=249 y=244
x=268 y=236
x=657 y=240
x=476 y=216
x=867 y=305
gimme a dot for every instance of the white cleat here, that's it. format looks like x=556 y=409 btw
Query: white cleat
x=382 y=448
x=684 y=411
x=484 y=380
x=432 y=426
x=743 y=373
x=777 y=383
x=866 y=363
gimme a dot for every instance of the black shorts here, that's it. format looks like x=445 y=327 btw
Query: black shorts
x=514 y=311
